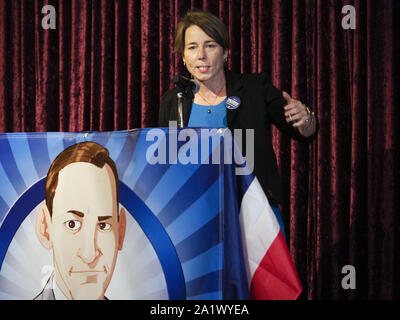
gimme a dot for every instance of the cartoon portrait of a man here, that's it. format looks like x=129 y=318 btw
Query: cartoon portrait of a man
x=80 y=223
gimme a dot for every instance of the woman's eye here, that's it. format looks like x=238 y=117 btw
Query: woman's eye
x=104 y=226
x=191 y=47
x=72 y=225
x=212 y=45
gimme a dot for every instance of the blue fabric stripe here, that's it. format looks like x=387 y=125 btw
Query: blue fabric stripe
x=22 y=155
x=207 y=262
x=216 y=295
x=55 y=144
x=234 y=278
x=207 y=283
x=3 y=209
x=243 y=184
x=40 y=156
x=200 y=212
x=173 y=180
x=187 y=194
x=8 y=192
x=151 y=175
x=10 y=166
x=280 y=221
x=126 y=154
x=138 y=162
x=200 y=241
x=115 y=144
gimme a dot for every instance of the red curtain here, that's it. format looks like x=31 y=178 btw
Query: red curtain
x=107 y=63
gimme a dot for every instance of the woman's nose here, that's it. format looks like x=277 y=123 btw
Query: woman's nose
x=201 y=53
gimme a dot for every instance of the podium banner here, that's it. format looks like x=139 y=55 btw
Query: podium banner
x=140 y=214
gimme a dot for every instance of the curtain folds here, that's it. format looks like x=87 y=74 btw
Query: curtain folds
x=107 y=63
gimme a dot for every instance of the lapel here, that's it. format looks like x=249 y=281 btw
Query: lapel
x=187 y=108
x=234 y=87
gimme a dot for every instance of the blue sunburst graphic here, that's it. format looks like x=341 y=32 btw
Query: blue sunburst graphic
x=174 y=241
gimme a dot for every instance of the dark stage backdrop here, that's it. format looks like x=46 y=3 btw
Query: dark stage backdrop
x=107 y=63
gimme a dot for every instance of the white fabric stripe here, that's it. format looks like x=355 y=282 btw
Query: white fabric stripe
x=259 y=227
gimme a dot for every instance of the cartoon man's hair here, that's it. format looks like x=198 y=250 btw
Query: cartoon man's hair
x=90 y=152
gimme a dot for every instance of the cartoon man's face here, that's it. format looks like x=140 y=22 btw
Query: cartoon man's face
x=84 y=231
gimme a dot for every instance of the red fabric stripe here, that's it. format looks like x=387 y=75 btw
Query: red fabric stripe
x=276 y=277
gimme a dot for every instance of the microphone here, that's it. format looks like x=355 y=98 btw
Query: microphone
x=189 y=86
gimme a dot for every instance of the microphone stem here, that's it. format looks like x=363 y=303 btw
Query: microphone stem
x=180 y=112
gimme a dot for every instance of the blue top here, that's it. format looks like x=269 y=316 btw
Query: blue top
x=200 y=117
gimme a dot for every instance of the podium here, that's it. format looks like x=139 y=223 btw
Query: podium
x=182 y=195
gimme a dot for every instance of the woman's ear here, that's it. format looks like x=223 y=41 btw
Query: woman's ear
x=226 y=55
x=43 y=222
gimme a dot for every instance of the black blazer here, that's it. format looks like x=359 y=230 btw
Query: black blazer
x=261 y=105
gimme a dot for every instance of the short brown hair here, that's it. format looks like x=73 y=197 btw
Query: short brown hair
x=90 y=152
x=208 y=22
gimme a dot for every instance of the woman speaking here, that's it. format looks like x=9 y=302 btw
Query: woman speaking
x=235 y=101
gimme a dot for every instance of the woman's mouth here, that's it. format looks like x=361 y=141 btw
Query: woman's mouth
x=203 y=69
